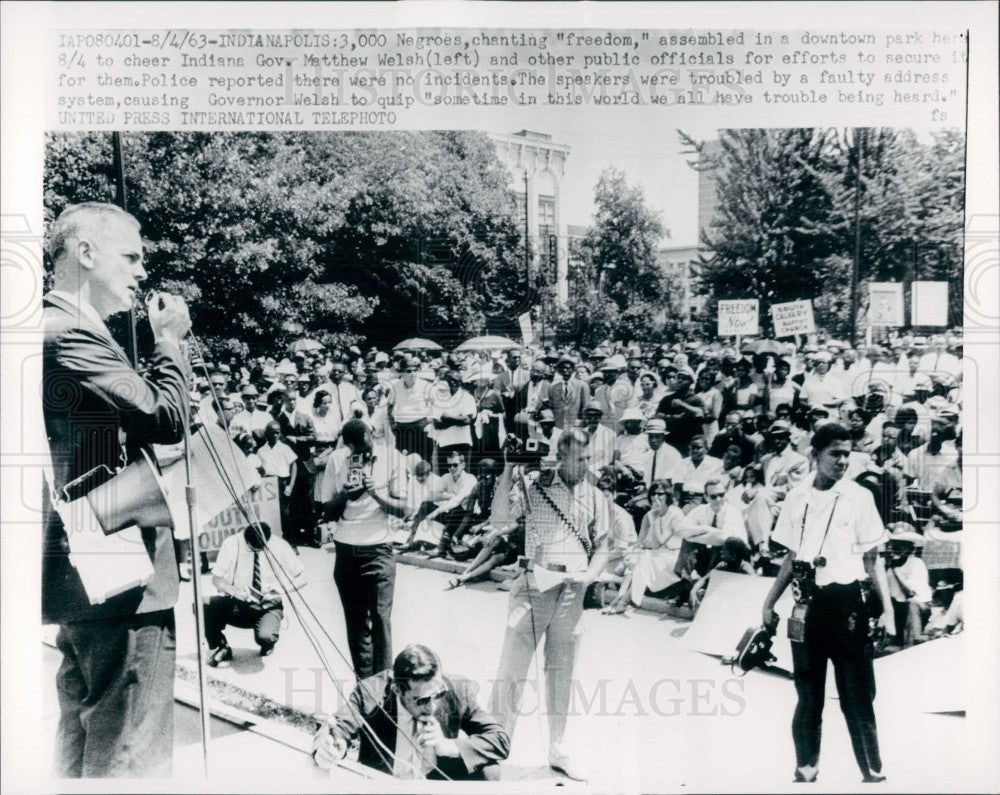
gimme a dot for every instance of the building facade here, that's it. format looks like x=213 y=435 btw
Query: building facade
x=536 y=165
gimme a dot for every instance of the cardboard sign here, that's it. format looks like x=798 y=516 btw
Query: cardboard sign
x=739 y=317
x=793 y=317
x=885 y=304
x=930 y=304
x=261 y=502
x=527 y=334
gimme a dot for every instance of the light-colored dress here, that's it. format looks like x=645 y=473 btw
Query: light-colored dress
x=656 y=554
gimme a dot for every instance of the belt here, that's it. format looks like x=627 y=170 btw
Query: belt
x=528 y=564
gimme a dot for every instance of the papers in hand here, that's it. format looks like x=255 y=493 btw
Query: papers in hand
x=546 y=580
x=107 y=564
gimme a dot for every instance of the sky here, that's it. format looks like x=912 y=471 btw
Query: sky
x=650 y=155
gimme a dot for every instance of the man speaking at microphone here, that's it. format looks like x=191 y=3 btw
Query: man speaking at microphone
x=115 y=684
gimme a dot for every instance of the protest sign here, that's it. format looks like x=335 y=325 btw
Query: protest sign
x=739 y=317
x=793 y=317
x=261 y=502
x=930 y=304
x=885 y=304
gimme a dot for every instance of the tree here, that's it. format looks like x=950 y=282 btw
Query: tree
x=785 y=227
x=338 y=236
x=620 y=288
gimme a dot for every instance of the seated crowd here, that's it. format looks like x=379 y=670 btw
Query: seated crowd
x=695 y=445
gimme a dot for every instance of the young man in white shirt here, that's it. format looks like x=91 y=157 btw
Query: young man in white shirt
x=833 y=532
x=409 y=410
x=693 y=472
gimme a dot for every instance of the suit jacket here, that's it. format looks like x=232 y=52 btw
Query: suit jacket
x=519 y=402
x=92 y=397
x=567 y=399
x=485 y=742
x=299 y=433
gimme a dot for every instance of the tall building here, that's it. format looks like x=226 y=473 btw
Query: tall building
x=537 y=164
x=681 y=262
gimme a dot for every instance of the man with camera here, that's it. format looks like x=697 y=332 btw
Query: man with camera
x=566 y=547
x=832 y=531
x=360 y=491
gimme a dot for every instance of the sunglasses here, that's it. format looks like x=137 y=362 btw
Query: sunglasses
x=715 y=496
x=423 y=701
x=454 y=465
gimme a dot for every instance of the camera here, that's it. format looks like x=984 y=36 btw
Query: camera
x=528 y=452
x=803 y=581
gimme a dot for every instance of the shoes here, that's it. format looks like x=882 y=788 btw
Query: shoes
x=220 y=655
x=266 y=649
x=805 y=775
x=873 y=778
x=566 y=766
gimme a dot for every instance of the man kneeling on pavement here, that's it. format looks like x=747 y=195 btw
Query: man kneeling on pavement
x=244 y=573
x=415 y=714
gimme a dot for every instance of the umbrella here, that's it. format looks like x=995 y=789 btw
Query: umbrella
x=769 y=346
x=304 y=346
x=417 y=344
x=487 y=343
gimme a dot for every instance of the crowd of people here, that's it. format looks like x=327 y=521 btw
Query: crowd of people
x=695 y=445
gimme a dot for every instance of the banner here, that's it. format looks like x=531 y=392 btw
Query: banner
x=262 y=502
x=793 y=317
x=885 y=304
x=739 y=318
x=930 y=304
x=527 y=334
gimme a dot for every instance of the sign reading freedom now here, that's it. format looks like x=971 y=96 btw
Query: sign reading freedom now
x=793 y=317
x=739 y=318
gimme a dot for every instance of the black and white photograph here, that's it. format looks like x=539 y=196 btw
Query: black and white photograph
x=548 y=441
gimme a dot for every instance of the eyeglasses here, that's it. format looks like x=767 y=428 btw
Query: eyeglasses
x=657 y=494
x=454 y=464
x=423 y=701
x=715 y=496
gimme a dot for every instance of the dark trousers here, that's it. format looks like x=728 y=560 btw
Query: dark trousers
x=411 y=437
x=299 y=527
x=836 y=630
x=116 y=688
x=366 y=578
x=225 y=611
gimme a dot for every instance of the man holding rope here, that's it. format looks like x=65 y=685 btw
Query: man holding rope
x=566 y=544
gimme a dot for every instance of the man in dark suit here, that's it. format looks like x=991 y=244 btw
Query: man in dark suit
x=415 y=713
x=567 y=394
x=115 y=683
x=299 y=433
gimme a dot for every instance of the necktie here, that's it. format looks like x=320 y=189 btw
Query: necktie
x=336 y=402
x=652 y=475
x=937 y=360
x=715 y=519
x=255 y=584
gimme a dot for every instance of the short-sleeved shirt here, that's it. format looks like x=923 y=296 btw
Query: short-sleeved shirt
x=409 y=404
x=277 y=460
x=461 y=403
x=855 y=527
x=364 y=522
x=547 y=538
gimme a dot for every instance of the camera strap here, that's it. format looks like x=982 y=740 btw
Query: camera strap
x=826 y=532
x=585 y=540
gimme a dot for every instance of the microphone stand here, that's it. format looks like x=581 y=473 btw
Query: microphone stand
x=199 y=609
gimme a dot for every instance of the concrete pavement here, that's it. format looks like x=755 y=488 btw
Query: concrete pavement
x=646 y=714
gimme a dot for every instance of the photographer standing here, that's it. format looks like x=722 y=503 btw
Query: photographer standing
x=832 y=531
x=360 y=491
